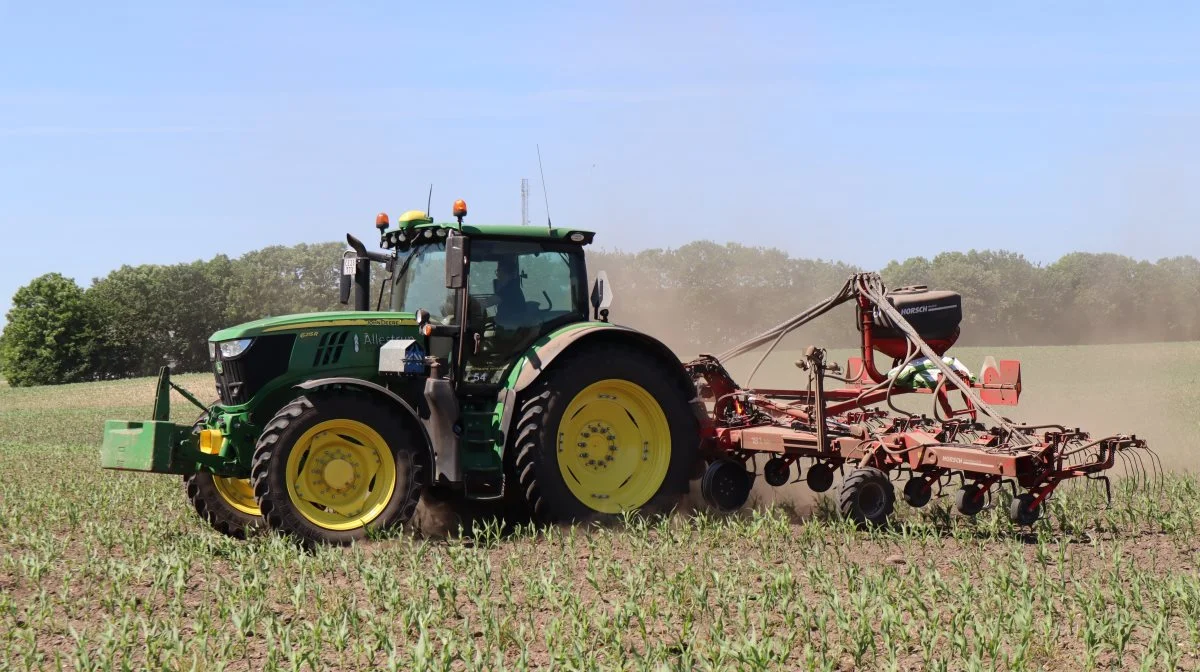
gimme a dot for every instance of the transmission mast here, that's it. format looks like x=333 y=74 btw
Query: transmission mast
x=524 y=201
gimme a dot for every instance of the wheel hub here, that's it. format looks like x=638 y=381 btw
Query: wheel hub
x=341 y=474
x=614 y=446
x=598 y=445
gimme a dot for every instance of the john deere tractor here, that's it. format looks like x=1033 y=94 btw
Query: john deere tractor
x=487 y=371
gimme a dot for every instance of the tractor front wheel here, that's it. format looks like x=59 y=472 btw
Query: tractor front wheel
x=226 y=504
x=331 y=468
x=607 y=429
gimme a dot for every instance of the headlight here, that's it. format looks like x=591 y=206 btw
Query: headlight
x=212 y=351
x=231 y=349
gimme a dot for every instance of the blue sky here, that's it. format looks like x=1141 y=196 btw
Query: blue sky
x=164 y=132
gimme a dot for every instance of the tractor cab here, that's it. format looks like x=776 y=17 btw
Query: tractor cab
x=494 y=289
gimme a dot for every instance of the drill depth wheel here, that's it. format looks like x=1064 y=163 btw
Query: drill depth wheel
x=726 y=485
x=820 y=477
x=1022 y=511
x=777 y=471
x=917 y=492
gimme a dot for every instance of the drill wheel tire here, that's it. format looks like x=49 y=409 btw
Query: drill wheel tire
x=726 y=485
x=917 y=492
x=820 y=477
x=1022 y=511
x=970 y=499
x=226 y=504
x=868 y=497
x=607 y=429
x=777 y=471
x=334 y=468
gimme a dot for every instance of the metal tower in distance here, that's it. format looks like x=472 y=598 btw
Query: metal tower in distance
x=524 y=201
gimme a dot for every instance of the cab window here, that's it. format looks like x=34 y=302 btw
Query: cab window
x=519 y=291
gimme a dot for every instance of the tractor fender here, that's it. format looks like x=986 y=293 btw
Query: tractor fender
x=539 y=359
x=376 y=388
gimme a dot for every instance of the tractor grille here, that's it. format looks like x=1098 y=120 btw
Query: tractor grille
x=265 y=359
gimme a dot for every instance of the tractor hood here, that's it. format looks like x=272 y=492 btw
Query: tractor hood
x=302 y=321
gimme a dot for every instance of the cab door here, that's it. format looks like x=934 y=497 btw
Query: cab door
x=518 y=291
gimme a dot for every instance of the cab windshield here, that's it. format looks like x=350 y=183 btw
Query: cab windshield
x=421 y=282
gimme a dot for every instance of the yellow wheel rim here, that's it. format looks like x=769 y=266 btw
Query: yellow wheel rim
x=238 y=493
x=341 y=474
x=614 y=446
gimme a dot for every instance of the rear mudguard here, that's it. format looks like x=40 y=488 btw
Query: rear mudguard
x=541 y=356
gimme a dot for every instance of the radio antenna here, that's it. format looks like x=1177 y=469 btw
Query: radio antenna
x=429 y=203
x=542 y=173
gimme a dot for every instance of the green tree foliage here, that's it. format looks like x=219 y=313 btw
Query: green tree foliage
x=280 y=280
x=701 y=297
x=50 y=336
x=160 y=315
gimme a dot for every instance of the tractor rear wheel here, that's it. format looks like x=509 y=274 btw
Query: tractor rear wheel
x=331 y=468
x=226 y=504
x=605 y=430
x=868 y=497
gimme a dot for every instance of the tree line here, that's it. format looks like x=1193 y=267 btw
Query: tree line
x=701 y=297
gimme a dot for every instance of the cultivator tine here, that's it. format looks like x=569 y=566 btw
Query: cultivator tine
x=1130 y=464
x=1158 y=468
x=1107 y=488
x=1136 y=457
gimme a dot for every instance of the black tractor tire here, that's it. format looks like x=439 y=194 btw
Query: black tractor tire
x=1022 y=511
x=547 y=495
x=216 y=509
x=868 y=497
x=970 y=499
x=269 y=470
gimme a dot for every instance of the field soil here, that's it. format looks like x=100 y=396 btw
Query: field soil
x=104 y=570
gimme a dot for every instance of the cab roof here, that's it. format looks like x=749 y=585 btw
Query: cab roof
x=404 y=234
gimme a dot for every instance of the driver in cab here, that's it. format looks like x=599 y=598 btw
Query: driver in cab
x=507 y=296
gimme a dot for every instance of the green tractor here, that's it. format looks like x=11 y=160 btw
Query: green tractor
x=492 y=373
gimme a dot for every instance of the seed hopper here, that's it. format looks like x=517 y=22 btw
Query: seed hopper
x=847 y=420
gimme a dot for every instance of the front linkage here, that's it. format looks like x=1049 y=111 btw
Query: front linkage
x=164 y=447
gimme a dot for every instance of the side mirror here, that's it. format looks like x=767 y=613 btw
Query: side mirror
x=349 y=259
x=602 y=297
x=456 y=261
